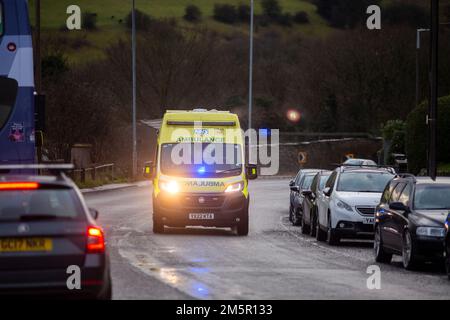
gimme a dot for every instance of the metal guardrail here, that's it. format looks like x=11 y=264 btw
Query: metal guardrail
x=95 y=172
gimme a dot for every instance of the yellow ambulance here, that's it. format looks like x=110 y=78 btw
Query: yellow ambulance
x=200 y=177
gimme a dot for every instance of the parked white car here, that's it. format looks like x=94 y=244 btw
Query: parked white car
x=347 y=209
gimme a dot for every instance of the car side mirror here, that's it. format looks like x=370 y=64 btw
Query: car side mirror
x=94 y=213
x=295 y=188
x=327 y=191
x=307 y=193
x=398 y=206
x=149 y=170
x=291 y=183
x=251 y=171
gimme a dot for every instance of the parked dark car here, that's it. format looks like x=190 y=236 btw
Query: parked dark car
x=47 y=234
x=410 y=220
x=294 y=191
x=310 y=213
x=297 y=205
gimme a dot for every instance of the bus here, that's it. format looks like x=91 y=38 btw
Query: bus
x=17 y=92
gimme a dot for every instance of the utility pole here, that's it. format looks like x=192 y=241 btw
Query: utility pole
x=250 y=85
x=432 y=116
x=38 y=78
x=418 y=46
x=133 y=40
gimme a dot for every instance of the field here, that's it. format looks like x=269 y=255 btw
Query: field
x=111 y=15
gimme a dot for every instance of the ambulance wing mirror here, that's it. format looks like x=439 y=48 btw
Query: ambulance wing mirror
x=251 y=171
x=149 y=170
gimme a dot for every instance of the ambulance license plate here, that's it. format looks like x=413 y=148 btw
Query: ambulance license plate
x=201 y=216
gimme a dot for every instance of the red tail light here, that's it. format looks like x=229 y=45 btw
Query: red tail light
x=18 y=185
x=95 y=240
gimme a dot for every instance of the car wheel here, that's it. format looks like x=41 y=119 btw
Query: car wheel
x=305 y=227
x=158 y=225
x=320 y=234
x=380 y=254
x=312 y=227
x=447 y=261
x=290 y=212
x=296 y=221
x=107 y=292
x=332 y=238
x=409 y=258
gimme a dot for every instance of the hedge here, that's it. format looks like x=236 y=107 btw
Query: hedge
x=417 y=133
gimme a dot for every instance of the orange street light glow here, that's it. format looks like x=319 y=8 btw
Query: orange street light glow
x=293 y=115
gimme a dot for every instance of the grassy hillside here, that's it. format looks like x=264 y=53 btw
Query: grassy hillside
x=111 y=15
x=53 y=11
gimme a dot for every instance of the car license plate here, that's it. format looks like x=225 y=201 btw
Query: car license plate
x=25 y=244
x=368 y=220
x=201 y=216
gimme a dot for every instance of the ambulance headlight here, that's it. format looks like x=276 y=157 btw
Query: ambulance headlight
x=169 y=186
x=236 y=187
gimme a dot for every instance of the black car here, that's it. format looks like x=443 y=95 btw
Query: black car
x=310 y=213
x=50 y=243
x=293 y=184
x=410 y=220
x=447 y=246
x=304 y=183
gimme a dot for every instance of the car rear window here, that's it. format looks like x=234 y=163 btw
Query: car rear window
x=27 y=204
x=323 y=181
x=364 y=181
x=307 y=182
x=432 y=197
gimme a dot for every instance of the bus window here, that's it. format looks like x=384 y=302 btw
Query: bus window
x=1 y=18
x=8 y=94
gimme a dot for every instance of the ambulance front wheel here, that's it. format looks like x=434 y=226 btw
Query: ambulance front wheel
x=158 y=225
x=242 y=226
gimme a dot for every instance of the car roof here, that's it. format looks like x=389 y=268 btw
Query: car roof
x=309 y=170
x=344 y=169
x=428 y=180
x=61 y=180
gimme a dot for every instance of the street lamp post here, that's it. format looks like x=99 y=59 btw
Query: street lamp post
x=432 y=117
x=38 y=46
x=250 y=85
x=133 y=40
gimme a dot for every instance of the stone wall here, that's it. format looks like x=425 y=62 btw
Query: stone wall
x=324 y=153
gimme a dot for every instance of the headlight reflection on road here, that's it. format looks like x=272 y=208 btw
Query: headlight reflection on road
x=200 y=290
x=169 y=275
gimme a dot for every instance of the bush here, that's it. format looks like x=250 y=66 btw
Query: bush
x=390 y=127
x=54 y=66
x=143 y=21
x=409 y=14
x=225 y=13
x=244 y=12
x=89 y=21
x=417 y=132
x=192 y=14
x=344 y=13
x=271 y=8
x=285 y=20
x=301 y=17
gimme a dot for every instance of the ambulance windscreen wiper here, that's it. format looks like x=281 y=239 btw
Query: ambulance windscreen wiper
x=229 y=170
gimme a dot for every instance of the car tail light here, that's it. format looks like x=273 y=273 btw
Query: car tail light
x=95 y=240
x=19 y=185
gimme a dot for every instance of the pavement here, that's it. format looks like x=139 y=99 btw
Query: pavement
x=274 y=262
